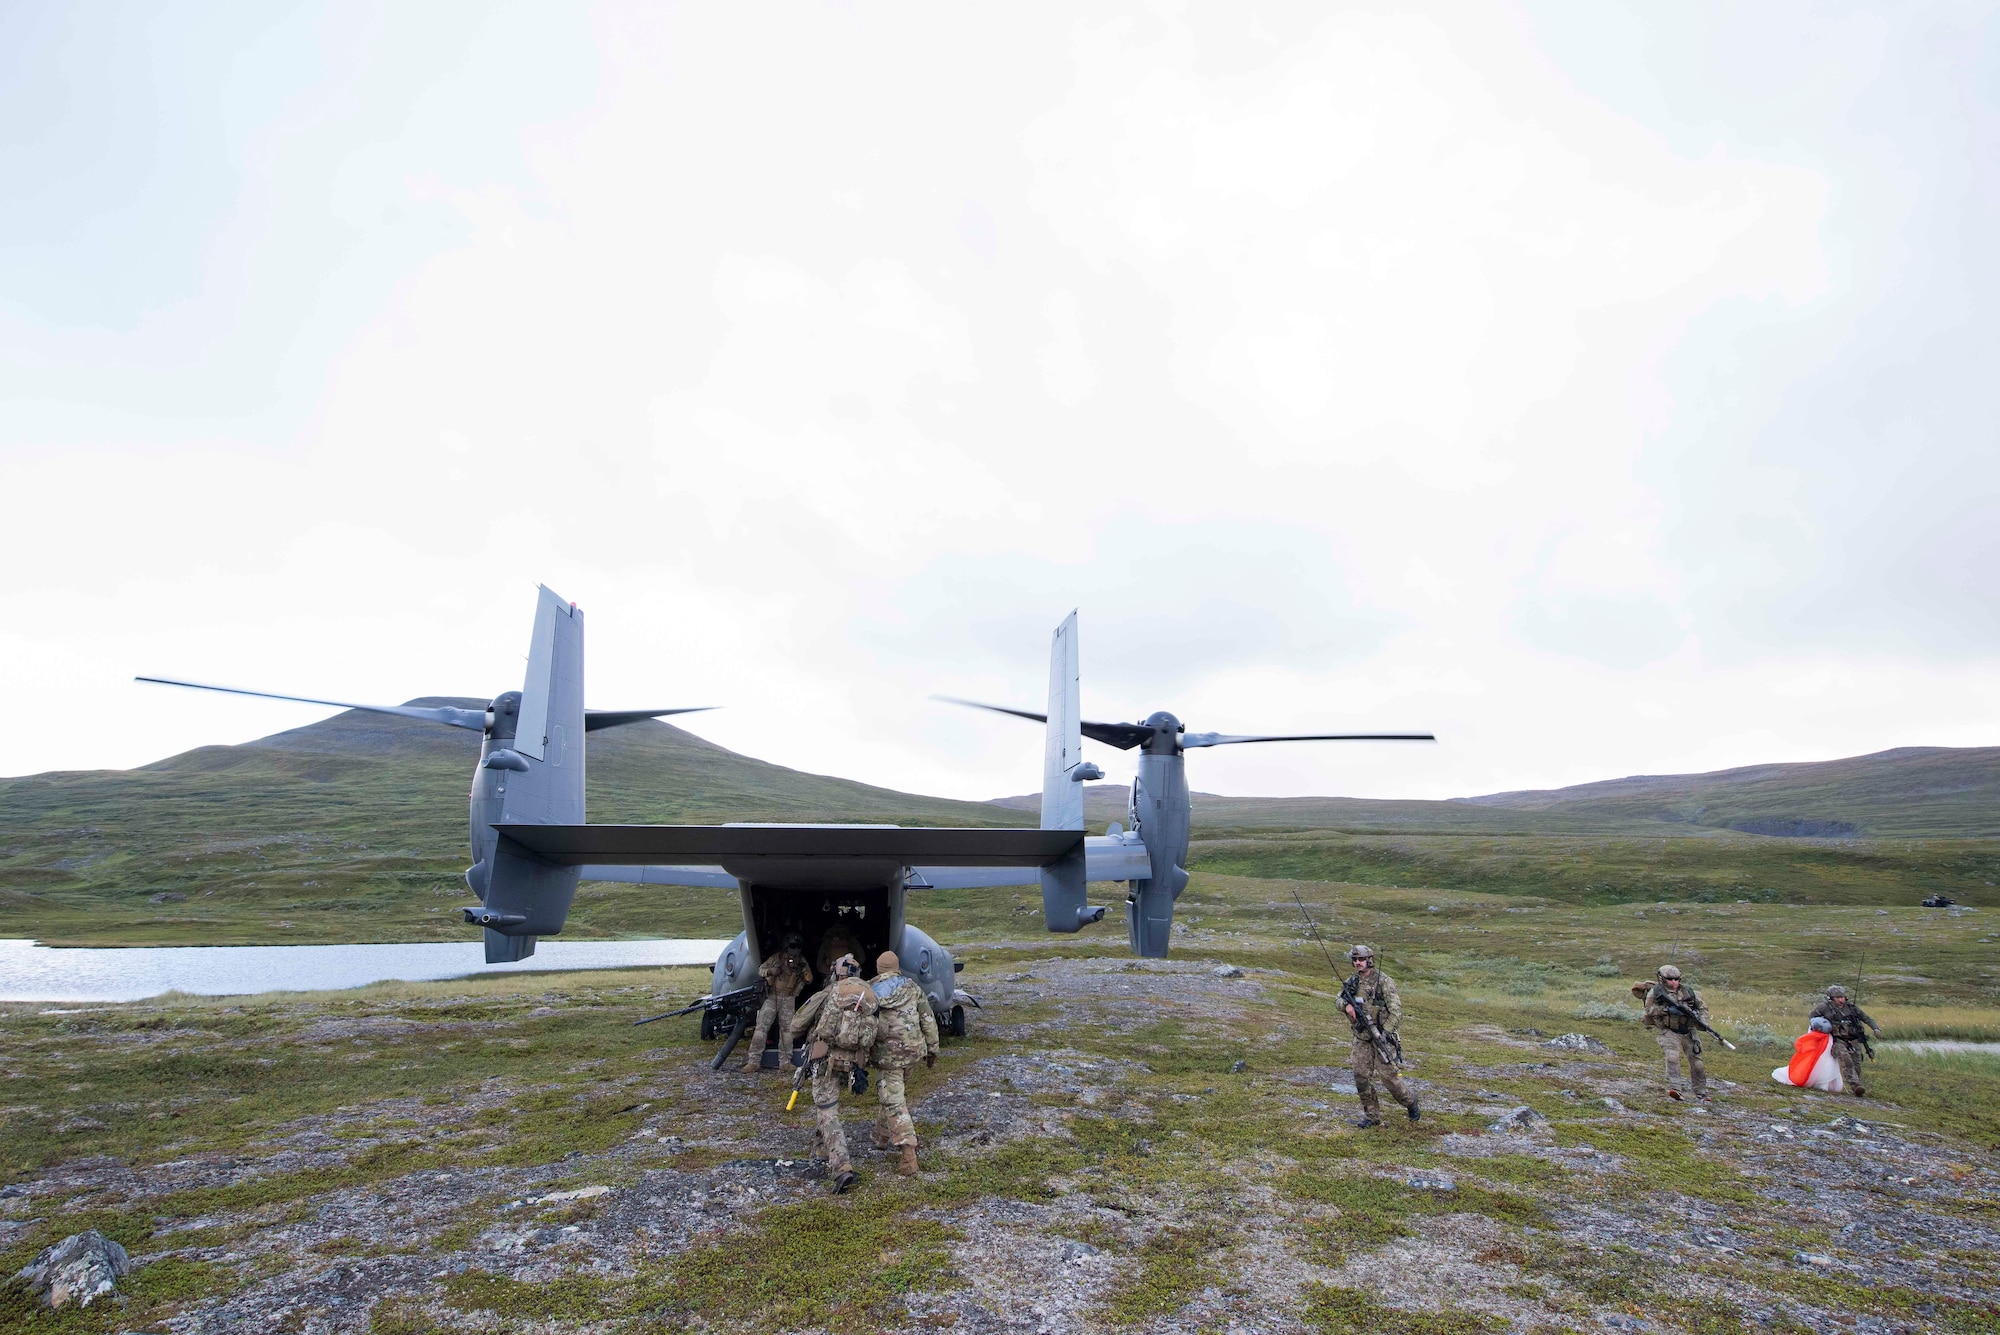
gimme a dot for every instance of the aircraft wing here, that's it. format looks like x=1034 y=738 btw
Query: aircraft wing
x=656 y=874
x=1106 y=858
x=801 y=856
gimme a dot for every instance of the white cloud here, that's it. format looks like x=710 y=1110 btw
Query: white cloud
x=1343 y=368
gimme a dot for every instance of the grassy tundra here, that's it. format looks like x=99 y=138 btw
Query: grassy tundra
x=405 y=1149
x=510 y=1153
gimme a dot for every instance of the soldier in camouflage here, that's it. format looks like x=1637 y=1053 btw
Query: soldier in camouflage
x=906 y=1033
x=785 y=975
x=1374 y=998
x=840 y=1021
x=1678 y=1039
x=1844 y=1020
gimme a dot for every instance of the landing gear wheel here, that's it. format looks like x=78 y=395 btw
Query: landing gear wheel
x=955 y=1026
x=707 y=1025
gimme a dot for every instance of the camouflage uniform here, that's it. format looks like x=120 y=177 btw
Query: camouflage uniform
x=1376 y=993
x=838 y=941
x=1678 y=1039
x=1844 y=1020
x=817 y=1019
x=906 y=1033
x=785 y=974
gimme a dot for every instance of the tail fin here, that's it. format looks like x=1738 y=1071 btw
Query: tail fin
x=1065 y=907
x=530 y=774
x=1062 y=798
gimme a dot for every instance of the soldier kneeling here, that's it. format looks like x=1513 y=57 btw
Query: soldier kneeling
x=839 y=1021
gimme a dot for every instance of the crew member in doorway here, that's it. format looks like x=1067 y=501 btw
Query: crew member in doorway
x=785 y=975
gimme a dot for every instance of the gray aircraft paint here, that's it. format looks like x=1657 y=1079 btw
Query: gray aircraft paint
x=531 y=772
x=530 y=845
x=1160 y=811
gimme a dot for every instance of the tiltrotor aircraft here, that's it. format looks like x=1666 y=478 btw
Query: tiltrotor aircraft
x=843 y=884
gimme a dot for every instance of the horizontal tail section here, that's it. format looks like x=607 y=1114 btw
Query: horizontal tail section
x=628 y=845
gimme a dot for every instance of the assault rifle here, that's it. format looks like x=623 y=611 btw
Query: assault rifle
x=1694 y=1019
x=1387 y=1046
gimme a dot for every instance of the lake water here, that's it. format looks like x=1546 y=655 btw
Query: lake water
x=1945 y=1045
x=31 y=972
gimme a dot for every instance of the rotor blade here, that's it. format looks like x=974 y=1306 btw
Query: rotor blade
x=1028 y=714
x=1124 y=736
x=475 y=719
x=1227 y=739
x=595 y=720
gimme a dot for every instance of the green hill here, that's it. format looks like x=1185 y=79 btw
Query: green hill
x=1911 y=792
x=354 y=829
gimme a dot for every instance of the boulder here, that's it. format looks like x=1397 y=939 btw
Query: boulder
x=1228 y=971
x=80 y=1269
x=1522 y=1118
x=1576 y=1043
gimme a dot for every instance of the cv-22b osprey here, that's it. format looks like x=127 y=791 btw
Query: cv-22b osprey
x=834 y=885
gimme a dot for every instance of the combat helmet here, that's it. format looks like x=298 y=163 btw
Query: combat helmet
x=1835 y=990
x=847 y=967
x=1361 y=953
x=793 y=941
x=1668 y=971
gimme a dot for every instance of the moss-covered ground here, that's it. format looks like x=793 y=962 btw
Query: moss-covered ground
x=1116 y=1145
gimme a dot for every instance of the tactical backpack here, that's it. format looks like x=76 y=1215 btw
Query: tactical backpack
x=850 y=1016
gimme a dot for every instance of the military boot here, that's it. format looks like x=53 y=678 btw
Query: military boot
x=908 y=1167
x=754 y=1062
x=1415 y=1112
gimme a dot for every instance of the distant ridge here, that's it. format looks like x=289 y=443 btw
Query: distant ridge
x=1912 y=791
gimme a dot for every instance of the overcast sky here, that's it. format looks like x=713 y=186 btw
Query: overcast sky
x=1609 y=390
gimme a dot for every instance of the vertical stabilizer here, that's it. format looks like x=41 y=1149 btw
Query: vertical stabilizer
x=530 y=773
x=1062 y=797
x=537 y=688
x=1064 y=906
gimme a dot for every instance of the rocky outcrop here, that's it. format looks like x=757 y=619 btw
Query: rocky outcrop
x=82 y=1268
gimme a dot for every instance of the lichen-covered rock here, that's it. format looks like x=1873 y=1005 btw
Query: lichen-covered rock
x=80 y=1269
x=1517 y=1119
x=1576 y=1043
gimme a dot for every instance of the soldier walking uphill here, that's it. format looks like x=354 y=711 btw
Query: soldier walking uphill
x=1376 y=1012
x=1844 y=1020
x=1671 y=1008
x=840 y=1021
x=785 y=974
x=905 y=1033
